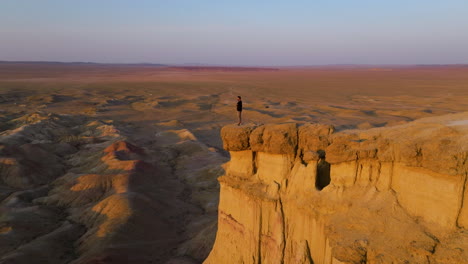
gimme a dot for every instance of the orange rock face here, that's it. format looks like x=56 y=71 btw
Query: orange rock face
x=383 y=195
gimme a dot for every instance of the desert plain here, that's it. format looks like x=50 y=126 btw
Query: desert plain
x=107 y=163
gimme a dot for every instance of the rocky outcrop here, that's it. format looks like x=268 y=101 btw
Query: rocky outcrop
x=305 y=194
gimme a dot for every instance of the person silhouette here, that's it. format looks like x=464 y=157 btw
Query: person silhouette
x=239 y=110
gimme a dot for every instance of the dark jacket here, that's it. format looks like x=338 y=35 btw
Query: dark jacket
x=239 y=106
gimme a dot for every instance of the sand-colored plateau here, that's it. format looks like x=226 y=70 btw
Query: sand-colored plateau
x=308 y=194
x=120 y=164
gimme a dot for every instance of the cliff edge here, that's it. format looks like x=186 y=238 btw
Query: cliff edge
x=305 y=194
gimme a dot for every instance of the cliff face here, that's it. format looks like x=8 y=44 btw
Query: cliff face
x=304 y=194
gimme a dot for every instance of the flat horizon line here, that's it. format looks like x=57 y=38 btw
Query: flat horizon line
x=357 y=65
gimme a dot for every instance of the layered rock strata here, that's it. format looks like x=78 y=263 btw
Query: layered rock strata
x=305 y=194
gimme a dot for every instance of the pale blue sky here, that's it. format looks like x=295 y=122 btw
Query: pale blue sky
x=241 y=32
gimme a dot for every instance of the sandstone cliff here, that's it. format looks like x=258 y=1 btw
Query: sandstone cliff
x=305 y=194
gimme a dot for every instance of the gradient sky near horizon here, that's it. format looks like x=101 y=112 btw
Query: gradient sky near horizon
x=242 y=32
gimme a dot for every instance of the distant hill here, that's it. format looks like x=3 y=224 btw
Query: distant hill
x=83 y=63
x=222 y=68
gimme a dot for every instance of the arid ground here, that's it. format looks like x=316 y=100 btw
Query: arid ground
x=118 y=163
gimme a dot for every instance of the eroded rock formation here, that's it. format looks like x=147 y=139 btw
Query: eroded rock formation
x=76 y=189
x=304 y=194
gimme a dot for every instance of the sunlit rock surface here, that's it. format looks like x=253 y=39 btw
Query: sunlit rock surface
x=304 y=194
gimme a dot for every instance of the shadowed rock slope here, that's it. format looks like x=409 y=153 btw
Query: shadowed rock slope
x=304 y=194
x=78 y=190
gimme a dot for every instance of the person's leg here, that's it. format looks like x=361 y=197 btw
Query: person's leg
x=240 y=117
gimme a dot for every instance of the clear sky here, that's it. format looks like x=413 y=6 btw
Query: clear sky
x=236 y=32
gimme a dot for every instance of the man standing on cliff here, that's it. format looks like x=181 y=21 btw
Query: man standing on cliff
x=239 y=109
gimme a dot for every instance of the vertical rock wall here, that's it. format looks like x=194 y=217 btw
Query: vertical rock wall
x=308 y=195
